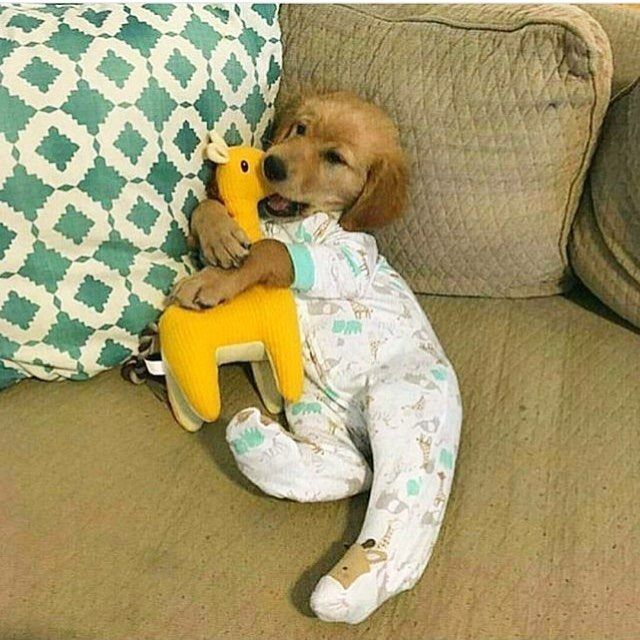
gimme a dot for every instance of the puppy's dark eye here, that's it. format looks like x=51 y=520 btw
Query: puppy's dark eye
x=333 y=157
x=301 y=129
x=244 y=165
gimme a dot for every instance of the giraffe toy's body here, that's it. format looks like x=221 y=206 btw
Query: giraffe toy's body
x=259 y=326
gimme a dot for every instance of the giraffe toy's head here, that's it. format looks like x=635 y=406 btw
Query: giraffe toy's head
x=240 y=181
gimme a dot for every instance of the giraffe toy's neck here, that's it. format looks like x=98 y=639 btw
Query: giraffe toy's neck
x=245 y=212
x=241 y=186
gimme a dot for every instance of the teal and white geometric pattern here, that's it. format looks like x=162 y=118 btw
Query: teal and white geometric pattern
x=104 y=114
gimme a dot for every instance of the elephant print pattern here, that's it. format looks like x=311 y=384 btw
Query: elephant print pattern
x=380 y=411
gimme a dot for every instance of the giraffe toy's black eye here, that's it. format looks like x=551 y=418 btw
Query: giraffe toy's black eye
x=244 y=165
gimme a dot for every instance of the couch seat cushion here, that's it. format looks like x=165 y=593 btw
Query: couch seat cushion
x=115 y=523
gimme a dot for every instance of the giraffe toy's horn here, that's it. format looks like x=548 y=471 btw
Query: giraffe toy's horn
x=217 y=149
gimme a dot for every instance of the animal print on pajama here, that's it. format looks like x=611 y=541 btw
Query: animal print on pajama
x=379 y=394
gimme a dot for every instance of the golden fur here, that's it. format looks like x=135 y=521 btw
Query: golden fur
x=341 y=155
x=369 y=186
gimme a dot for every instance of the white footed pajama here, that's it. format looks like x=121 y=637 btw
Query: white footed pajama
x=379 y=394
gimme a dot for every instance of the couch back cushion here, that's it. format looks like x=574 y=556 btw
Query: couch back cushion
x=498 y=107
x=605 y=242
x=104 y=111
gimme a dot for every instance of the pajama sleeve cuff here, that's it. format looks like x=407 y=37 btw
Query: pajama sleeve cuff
x=303 y=268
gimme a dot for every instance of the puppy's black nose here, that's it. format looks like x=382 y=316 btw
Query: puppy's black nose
x=275 y=168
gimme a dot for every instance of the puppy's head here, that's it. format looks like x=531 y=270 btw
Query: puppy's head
x=336 y=153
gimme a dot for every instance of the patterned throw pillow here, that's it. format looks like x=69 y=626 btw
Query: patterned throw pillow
x=104 y=113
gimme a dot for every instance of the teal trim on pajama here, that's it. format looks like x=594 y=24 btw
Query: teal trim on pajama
x=303 y=267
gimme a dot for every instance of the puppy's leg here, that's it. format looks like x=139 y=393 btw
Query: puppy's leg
x=414 y=427
x=221 y=240
x=315 y=461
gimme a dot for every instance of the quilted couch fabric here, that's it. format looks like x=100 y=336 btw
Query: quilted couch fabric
x=104 y=114
x=499 y=108
x=118 y=524
x=605 y=242
x=622 y=26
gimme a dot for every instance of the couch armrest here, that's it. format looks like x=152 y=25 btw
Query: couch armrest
x=604 y=246
x=499 y=108
x=622 y=26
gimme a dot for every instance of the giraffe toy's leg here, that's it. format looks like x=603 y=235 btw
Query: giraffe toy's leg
x=267 y=387
x=182 y=409
x=285 y=356
x=189 y=352
x=195 y=390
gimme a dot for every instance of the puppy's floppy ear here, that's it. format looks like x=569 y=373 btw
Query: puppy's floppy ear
x=383 y=197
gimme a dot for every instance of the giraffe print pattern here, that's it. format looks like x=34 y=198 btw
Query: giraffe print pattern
x=380 y=411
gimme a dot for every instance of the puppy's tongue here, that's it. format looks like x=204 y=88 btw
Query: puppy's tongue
x=278 y=203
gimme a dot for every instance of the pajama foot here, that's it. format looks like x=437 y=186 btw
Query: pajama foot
x=264 y=452
x=331 y=602
x=307 y=468
x=350 y=592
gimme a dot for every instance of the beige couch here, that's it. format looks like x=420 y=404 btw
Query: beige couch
x=116 y=524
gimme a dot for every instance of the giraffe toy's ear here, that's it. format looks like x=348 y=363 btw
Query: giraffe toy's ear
x=217 y=149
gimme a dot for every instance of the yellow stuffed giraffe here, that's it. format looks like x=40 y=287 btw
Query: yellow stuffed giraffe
x=259 y=326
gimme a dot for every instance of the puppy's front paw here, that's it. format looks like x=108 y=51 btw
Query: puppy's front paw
x=228 y=248
x=185 y=292
x=222 y=241
x=207 y=288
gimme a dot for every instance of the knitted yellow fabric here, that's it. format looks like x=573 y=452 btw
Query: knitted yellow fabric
x=190 y=340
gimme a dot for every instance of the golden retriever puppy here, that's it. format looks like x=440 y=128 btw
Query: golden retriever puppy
x=380 y=407
x=331 y=152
